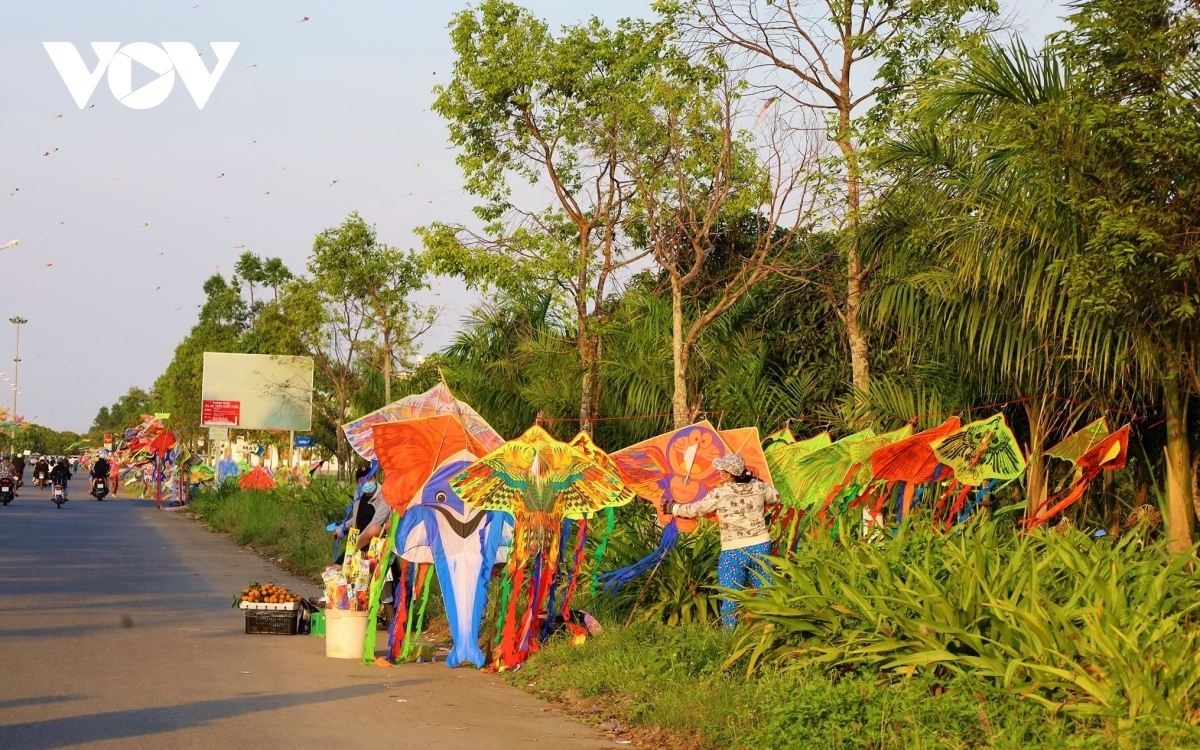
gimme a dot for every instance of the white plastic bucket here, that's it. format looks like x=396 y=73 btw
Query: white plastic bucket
x=345 y=633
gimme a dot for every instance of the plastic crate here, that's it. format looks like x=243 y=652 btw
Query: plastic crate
x=271 y=621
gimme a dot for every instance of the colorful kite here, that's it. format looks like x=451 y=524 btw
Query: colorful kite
x=745 y=442
x=981 y=454
x=541 y=482
x=912 y=463
x=1077 y=444
x=257 y=479
x=676 y=466
x=1106 y=455
x=410 y=450
x=981 y=451
x=462 y=543
x=437 y=400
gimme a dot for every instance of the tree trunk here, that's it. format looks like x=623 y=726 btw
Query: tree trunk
x=589 y=357
x=1180 y=515
x=680 y=405
x=343 y=455
x=387 y=368
x=1035 y=476
x=856 y=328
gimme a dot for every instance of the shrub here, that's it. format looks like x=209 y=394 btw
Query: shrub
x=1083 y=626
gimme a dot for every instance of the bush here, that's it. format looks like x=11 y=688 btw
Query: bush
x=1084 y=626
x=671 y=677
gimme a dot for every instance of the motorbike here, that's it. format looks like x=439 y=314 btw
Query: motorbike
x=58 y=496
x=40 y=479
x=7 y=491
x=100 y=490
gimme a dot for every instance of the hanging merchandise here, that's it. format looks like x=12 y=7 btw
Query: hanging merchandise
x=437 y=400
x=463 y=544
x=541 y=482
x=1103 y=455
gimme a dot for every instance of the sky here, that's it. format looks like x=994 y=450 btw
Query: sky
x=122 y=213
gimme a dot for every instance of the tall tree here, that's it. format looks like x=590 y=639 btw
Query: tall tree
x=840 y=58
x=250 y=268
x=528 y=107
x=698 y=183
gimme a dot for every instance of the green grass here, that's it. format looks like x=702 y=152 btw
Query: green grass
x=652 y=675
x=287 y=523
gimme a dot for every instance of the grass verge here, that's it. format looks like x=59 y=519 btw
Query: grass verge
x=668 y=685
x=287 y=524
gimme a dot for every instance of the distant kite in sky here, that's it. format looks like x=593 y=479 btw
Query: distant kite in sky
x=763 y=111
x=220 y=175
x=11 y=243
x=248 y=67
x=49 y=265
x=145 y=223
x=58 y=117
x=302 y=20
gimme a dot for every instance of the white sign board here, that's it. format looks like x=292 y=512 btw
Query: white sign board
x=256 y=391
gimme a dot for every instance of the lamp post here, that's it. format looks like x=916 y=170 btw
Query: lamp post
x=18 y=321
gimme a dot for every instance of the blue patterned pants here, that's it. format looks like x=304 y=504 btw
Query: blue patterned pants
x=734 y=572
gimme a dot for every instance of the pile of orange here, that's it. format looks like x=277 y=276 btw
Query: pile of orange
x=268 y=593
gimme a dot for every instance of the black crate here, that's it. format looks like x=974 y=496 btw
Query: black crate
x=271 y=621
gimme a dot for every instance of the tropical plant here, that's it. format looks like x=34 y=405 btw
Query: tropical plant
x=1079 y=624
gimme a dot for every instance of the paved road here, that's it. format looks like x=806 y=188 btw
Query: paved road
x=116 y=632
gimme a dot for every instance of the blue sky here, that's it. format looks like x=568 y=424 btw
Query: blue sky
x=341 y=97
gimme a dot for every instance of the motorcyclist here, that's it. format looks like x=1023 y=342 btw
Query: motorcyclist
x=100 y=470
x=61 y=474
x=42 y=469
x=18 y=463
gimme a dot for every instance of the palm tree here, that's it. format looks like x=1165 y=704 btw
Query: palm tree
x=1011 y=145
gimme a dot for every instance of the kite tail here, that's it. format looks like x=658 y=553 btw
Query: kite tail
x=784 y=516
x=508 y=634
x=1075 y=492
x=521 y=641
x=957 y=507
x=887 y=493
x=419 y=589
x=563 y=535
x=400 y=621
x=574 y=579
x=941 y=502
x=978 y=499
x=598 y=557
x=614 y=580
x=377 y=582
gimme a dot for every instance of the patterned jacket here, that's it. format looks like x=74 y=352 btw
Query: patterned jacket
x=739 y=509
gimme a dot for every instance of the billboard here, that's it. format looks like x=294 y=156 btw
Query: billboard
x=256 y=391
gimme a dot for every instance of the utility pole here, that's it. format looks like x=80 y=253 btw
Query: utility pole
x=18 y=321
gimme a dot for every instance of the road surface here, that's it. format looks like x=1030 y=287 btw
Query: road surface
x=116 y=632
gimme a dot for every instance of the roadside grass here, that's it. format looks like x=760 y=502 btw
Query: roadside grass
x=655 y=677
x=286 y=523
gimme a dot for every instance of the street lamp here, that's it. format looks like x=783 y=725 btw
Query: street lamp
x=18 y=321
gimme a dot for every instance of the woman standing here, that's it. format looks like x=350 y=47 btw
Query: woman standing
x=739 y=502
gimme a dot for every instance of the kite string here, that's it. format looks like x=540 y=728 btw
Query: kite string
x=720 y=413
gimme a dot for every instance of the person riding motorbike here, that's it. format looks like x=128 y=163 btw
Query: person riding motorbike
x=18 y=463
x=100 y=470
x=61 y=474
x=41 y=471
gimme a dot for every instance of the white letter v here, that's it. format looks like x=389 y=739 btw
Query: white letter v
x=80 y=81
